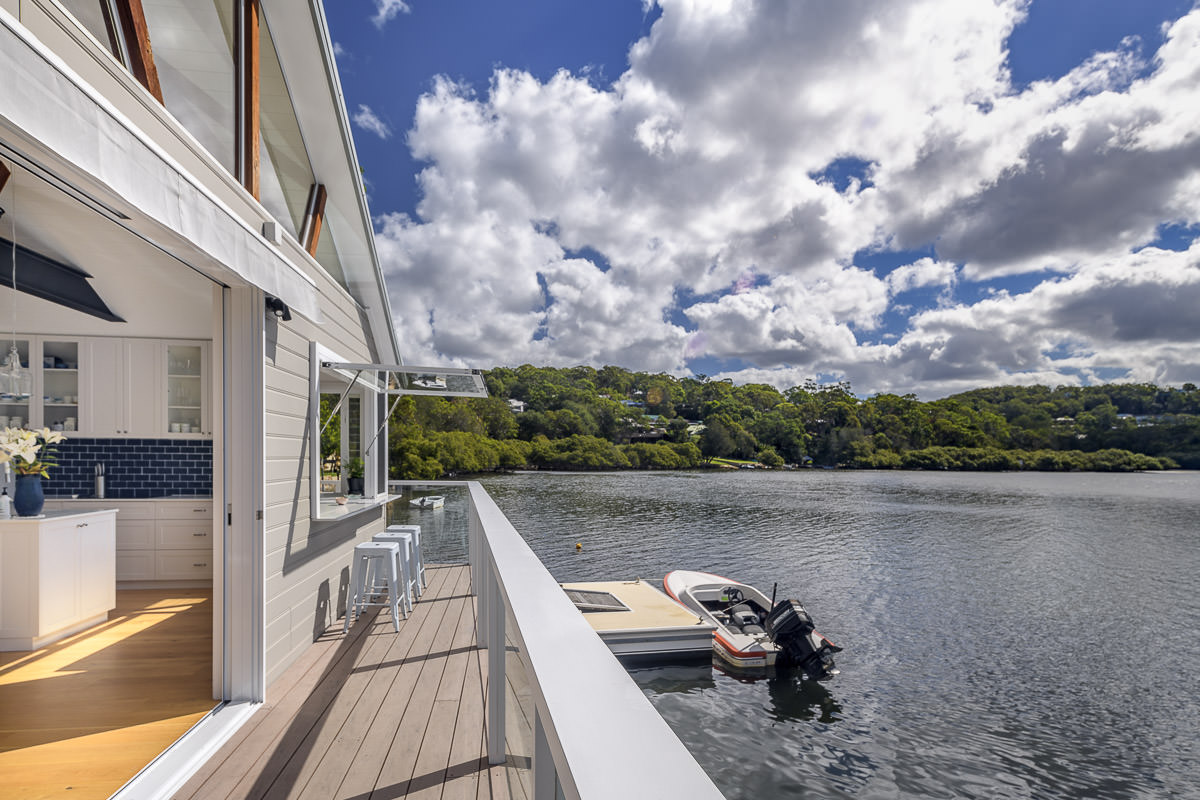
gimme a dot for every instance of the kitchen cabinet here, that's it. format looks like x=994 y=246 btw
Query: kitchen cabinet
x=57 y=576
x=120 y=382
x=16 y=392
x=148 y=388
x=186 y=384
x=166 y=539
x=46 y=394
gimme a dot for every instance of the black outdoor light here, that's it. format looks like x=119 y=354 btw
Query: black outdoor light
x=279 y=308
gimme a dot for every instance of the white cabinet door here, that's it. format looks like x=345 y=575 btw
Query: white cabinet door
x=97 y=564
x=58 y=568
x=144 y=387
x=102 y=375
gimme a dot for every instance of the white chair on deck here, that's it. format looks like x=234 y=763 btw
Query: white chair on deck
x=415 y=530
x=374 y=561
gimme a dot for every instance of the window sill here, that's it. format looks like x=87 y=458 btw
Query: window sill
x=329 y=510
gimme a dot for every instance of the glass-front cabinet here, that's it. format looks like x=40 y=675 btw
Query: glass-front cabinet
x=16 y=384
x=187 y=388
x=60 y=384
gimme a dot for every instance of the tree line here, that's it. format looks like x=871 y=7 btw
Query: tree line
x=584 y=418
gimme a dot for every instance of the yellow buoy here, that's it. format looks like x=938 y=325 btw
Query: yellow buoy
x=579 y=545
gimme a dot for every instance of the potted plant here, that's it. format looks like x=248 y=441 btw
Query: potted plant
x=31 y=454
x=355 y=471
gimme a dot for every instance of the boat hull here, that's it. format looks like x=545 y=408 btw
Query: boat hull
x=697 y=591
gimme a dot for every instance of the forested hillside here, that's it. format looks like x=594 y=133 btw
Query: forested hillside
x=611 y=418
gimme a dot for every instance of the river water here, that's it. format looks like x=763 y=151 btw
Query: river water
x=1018 y=635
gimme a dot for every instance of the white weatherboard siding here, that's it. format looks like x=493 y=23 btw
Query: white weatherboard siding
x=307 y=561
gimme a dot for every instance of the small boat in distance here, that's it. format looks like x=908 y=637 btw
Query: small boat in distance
x=428 y=501
x=752 y=632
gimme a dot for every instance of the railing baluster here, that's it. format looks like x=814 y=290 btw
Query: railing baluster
x=544 y=774
x=496 y=679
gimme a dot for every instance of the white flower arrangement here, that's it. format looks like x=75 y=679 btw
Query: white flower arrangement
x=29 y=452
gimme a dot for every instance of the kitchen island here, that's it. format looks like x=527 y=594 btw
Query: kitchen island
x=57 y=575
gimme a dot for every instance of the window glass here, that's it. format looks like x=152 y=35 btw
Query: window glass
x=286 y=176
x=346 y=476
x=192 y=42
x=92 y=15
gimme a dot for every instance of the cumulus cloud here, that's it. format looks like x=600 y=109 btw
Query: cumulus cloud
x=366 y=119
x=684 y=212
x=387 y=10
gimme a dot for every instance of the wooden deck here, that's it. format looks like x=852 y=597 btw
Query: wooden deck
x=372 y=714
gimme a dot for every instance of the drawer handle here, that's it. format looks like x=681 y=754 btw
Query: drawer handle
x=199 y=510
x=199 y=565
x=200 y=534
x=81 y=525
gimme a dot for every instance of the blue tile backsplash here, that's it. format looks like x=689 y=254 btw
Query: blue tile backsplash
x=133 y=468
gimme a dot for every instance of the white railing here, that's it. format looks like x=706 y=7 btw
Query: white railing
x=561 y=710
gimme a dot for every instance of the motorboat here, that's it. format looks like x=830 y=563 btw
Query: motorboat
x=430 y=382
x=752 y=631
x=428 y=501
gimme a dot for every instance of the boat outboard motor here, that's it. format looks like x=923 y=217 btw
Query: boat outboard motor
x=800 y=645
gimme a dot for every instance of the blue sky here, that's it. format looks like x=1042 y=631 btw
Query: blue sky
x=914 y=195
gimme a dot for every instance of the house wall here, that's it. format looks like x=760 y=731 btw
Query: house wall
x=306 y=561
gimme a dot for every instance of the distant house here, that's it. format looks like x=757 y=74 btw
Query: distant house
x=516 y=406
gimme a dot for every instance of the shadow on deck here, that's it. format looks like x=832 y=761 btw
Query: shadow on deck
x=372 y=713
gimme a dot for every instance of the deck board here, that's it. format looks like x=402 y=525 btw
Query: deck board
x=372 y=714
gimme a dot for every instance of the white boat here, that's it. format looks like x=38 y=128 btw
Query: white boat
x=430 y=382
x=752 y=632
x=429 y=501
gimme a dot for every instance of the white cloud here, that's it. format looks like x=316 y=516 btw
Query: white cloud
x=366 y=119
x=387 y=10
x=693 y=179
x=920 y=273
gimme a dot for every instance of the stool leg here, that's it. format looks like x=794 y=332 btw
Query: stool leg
x=404 y=573
x=402 y=569
x=393 y=594
x=420 y=561
x=352 y=591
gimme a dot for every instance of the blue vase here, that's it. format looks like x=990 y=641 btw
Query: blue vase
x=28 y=500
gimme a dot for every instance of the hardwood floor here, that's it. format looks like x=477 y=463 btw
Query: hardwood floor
x=372 y=713
x=82 y=716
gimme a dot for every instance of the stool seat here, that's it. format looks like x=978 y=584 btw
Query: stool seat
x=373 y=561
x=415 y=530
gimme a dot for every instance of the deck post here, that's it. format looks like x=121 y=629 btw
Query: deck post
x=545 y=776
x=496 y=678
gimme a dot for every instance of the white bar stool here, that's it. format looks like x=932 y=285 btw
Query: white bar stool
x=369 y=559
x=415 y=530
x=405 y=557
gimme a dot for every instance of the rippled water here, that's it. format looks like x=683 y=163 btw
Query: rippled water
x=1006 y=635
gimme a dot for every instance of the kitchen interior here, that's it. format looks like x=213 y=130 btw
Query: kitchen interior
x=106 y=606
